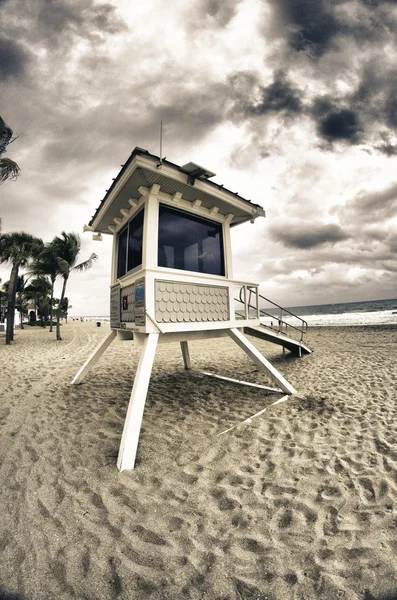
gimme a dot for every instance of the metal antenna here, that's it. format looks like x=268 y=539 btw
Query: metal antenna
x=160 y=163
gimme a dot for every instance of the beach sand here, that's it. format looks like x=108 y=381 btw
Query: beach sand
x=298 y=503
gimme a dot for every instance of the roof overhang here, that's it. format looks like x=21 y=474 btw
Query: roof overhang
x=143 y=170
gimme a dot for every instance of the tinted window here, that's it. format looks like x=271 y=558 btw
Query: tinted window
x=122 y=253
x=129 y=254
x=135 y=241
x=189 y=243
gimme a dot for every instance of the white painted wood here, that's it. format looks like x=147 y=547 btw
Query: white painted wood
x=125 y=212
x=240 y=382
x=133 y=202
x=186 y=355
x=190 y=207
x=117 y=220
x=150 y=232
x=213 y=210
x=175 y=174
x=227 y=249
x=188 y=336
x=177 y=196
x=93 y=358
x=112 y=228
x=260 y=360
x=133 y=420
x=169 y=171
x=157 y=326
x=144 y=191
x=154 y=190
x=114 y=261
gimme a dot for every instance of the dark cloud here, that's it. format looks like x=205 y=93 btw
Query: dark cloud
x=220 y=10
x=308 y=25
x=252 y=99
x=57 y=23
x=279 y=96
x=86 y=20
x=209 y=14
x=340 y=125
x=372 y=207
x=13 y=59
x=306 y=235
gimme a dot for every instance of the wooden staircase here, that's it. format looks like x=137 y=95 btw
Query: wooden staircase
x=277 y=332
x=270 y=335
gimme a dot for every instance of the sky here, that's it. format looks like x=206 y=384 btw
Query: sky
x=292 y=103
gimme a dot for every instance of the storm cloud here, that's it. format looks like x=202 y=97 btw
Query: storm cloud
x=308 y=25
x=13 y=59
x=292 y=103
x=307 y=235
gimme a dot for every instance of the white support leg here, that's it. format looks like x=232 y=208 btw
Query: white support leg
x=92 y=359
x=260 y=360
x=186 y=355
x=133 y=419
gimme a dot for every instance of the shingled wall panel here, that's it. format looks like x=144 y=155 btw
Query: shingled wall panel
x=190 y=303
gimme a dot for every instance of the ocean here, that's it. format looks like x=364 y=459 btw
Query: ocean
x=374 y=312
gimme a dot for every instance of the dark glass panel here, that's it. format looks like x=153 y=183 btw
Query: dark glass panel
x=190 y=243
x=135 y=241
x=122 y=253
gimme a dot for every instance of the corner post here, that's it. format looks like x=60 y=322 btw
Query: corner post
x=186 y=355
x=133 y=419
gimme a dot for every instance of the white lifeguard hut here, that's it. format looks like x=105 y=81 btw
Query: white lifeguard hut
x=172 y=277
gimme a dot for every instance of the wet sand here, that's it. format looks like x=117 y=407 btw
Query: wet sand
x=298 y=503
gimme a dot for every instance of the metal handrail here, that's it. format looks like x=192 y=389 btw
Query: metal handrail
x=302 y=329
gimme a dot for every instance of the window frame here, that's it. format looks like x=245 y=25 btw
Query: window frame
x=127 y=227
x=201 y=218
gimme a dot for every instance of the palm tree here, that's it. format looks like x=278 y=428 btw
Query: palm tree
x=18 y=248
x=8 y=168
x=67 y=248
x=39 y=290
x=20 y=302
x=66 y=306
x=47 y=264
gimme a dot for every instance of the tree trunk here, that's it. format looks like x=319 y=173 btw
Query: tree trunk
x=65 y=279
x=51 y=307
x=12 y=292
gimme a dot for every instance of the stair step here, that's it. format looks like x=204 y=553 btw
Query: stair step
x=265 y=333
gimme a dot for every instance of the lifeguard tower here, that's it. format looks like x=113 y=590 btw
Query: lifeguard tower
x=172 y=277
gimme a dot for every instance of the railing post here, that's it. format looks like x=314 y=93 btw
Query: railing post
x=258 y=311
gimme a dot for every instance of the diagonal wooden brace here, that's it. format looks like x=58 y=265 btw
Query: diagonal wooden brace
x=260 y=360
x=92 y=359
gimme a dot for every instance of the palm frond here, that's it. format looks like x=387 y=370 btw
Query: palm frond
x=5 y=135
x=87 y=264
x=63 y=267
x=8 y=169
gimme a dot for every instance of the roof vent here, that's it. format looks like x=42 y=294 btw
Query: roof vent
x=193 y=171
